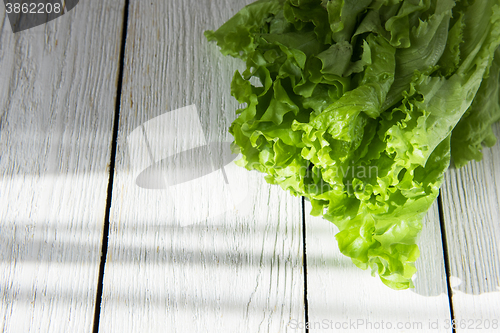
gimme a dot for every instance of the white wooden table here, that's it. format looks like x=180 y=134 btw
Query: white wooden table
x=83 y=101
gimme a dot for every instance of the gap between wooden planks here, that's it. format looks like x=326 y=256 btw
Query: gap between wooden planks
x=57 y=102
x=471 y=211
x=168 y=269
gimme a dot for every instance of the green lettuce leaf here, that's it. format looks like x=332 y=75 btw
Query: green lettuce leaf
x=361 y=105
x=475 y=129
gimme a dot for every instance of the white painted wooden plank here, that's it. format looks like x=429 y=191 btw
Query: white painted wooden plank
x=57 y=98
x=174 y=263
x=343 y=298
x=471 y=202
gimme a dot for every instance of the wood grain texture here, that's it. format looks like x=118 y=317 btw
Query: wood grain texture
x=471 y=209
x=173 y=264
x=57 y=95
x=347 y=299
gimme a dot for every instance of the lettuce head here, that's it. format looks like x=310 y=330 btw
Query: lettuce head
x=359 y=106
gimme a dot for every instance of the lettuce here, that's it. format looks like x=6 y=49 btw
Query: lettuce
x=359 y=107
